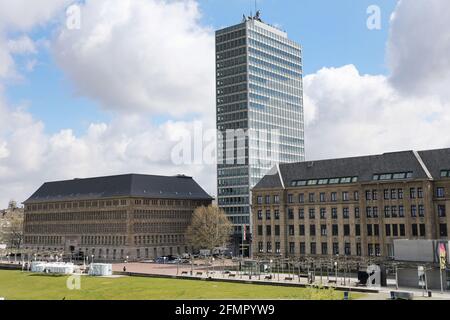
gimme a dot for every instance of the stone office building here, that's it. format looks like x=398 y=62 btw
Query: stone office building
x=353 y=207
x=111 y=218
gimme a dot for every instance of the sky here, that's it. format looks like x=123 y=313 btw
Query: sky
x=134 y=84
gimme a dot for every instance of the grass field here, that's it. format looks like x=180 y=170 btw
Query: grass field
x=15 y=285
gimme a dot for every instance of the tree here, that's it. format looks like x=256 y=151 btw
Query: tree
x=210 y=228
x=11 y=227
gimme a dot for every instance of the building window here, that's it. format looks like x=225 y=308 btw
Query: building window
x=441 y=211
x=323 y=213
x=369 y=212
x=358 y=230
x=412 y=193
x=311 y=197
x=377 y=250
x=414 y=230
x=387 y=211
x=302 y=230
x=313 y=248
x=277 y=230
x=260 y=247
x=301 y=214
x=301 y=198
x=394 y=211
x=370 y=249
x=291 y=230
x=400 y=193
x=335 y=230
x=414 y=211
x=260 y=216
x=443 y=230
x=421 y=211
x=422 y=230
x=376 y=230
x=323 y=230
x=335 y=248
x=394 y=194
x=356 y=195
x=345 y=196
x=346 y=213
x=291 y=214
x=260 y=230
x=268 y=215
x=291 y=248
x=386 y=194
x=375 y=212
x=268 y=231
x=334 y=214
x=324 y=248
x=440 y=193
x=358 y=249
x=312 y=213
x=346 y=230
x=302 y=248
x=395 y=230
x=420 y=193
x=267 y=199
x=333 y=196
x=312 y=230
x=369 y=230
x=374 y=195
x=401 y=211
x=290 y=198
x=347 y=249
x=357 y=213
x=269 y=247
x=368 y=195
x=388 y=230
x=277 y=247
x=322 y=197
x=276 y=199
x=259 y=200
x=402 y=230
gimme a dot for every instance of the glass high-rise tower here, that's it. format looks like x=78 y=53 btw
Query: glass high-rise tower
x=259 y=112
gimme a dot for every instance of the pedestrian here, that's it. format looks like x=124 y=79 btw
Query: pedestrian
x=124 y=269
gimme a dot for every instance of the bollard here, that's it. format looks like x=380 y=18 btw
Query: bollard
x=346 y=295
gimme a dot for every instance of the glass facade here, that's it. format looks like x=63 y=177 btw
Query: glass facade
x=259 y=110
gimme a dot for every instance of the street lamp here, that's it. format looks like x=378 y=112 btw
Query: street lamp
x=336 y=270
x=92 y=258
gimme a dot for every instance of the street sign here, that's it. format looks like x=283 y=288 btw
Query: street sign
x=421 y=274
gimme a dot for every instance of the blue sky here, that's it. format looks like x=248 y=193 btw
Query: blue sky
x=333 y=34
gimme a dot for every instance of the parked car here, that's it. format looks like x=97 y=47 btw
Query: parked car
x=162 y=260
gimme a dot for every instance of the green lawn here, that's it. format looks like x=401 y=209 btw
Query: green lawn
x=15 y=285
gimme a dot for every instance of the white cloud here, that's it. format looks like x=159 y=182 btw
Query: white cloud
x=29 y=156
x=351 y=114
x=419 y=47
x=363 y=114
x=22 y=45
x=141 y=56
x=155 y=56
x=23 y=15
x=20 y=16
x=127 y=61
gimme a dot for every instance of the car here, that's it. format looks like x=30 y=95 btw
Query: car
x=162 y=260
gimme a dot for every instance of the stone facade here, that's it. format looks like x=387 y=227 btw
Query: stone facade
x=111 y=229
x=354 y=216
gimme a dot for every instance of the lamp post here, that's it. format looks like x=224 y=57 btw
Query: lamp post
x=336 y=271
